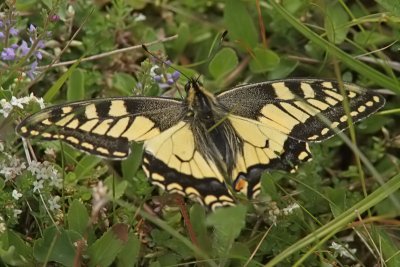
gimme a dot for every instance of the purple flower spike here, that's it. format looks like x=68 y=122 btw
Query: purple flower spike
x=32 y=28
x=158 y=78
x=54 y=18
x=13 y=31
x=38 y=55
x=8 y=54
x=170 y=81
x=175 y=75
x=31 y=72
x=40 y=44
x=24 y=48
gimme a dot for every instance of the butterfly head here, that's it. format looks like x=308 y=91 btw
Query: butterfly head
x=199 y=101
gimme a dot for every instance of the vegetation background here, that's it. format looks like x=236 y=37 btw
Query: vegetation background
x=341 y=209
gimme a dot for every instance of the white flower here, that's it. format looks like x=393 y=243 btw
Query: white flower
x=37 y=185
x=56 y=181
x=17 y=102
x=53 y=205
x=139 y=17
x=11 y=169
x=16 y=213
x=2 y=227
x=343 y=251
x=16 y=195
x=289 y=209
x=34 y=167
x=6 y=108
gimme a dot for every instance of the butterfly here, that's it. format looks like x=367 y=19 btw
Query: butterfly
x=209 y=147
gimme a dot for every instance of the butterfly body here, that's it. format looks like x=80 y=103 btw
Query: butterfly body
x=209 y=146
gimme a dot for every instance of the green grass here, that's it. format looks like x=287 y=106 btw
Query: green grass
x=348 y=194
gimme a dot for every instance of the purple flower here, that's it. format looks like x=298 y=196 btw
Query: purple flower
x=54 y=18
x=175 y=75
x=32 y=28
x=31 y=72
x=38 y=55
x=157 y=78
x=1 y=35
x=24 y=48
x=168 y=62
x=13 y=31
x=8 y=54
x=1 y=23
x=40 y=44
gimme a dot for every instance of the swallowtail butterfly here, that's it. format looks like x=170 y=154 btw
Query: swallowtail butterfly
x=197 y=146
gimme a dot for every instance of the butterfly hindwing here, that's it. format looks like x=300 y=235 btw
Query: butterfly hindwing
x=262 y=148
x=174 y=162
x=104 y=127
x=307 y=110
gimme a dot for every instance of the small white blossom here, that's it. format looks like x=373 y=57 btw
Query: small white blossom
x=34 y=167
x=6 y=108
x=289 y=209
x=12 y=168
x=17 y=102
x=139 y=17
x=343 y=251
x=16 y=195
x=53 y=205
x=2 y=226
x=17 y=212
x=37 y=185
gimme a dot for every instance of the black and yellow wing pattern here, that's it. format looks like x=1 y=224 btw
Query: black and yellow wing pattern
x=210 y=146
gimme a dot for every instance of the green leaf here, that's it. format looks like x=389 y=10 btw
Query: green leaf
x=367 y=38
x=226 y=230
x=76 y=85
x=387 y=246
x=104 y=251
x=55 y=88
x=78 y=217
x=335 y=21
x=284 y=68
x=124 y=83
x=337 y=197
x=56 y=245
x=239 y=24
x=198 y=220
x=14 y=251
x=86 y=165
x=132 y=164
x=119 y=187
x=130 y=253
x=390 y=6
x=263 y=60
x=224 y=62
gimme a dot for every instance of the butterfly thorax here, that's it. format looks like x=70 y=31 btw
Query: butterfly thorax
x=207 y=118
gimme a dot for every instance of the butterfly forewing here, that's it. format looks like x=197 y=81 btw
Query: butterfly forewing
x=307 y=110
x=104 y=127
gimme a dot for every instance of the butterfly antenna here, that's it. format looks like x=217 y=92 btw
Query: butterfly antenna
x=164 y=62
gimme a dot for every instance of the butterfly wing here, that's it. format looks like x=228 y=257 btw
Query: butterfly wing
x=275 y=120
x=104 y=127
x=175 y=162
x=307 y=110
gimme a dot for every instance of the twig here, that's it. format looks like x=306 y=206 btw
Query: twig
x=106 y=54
